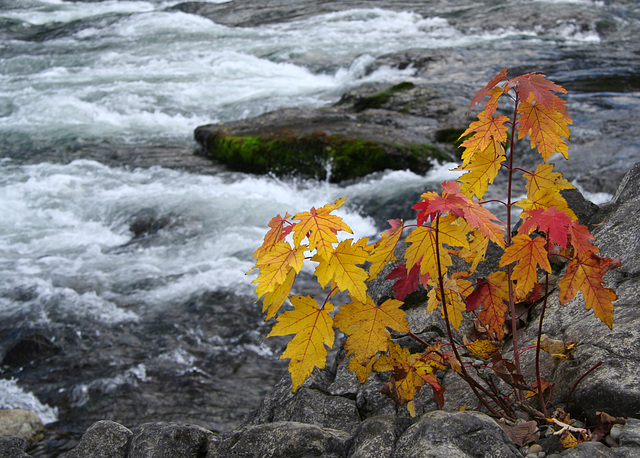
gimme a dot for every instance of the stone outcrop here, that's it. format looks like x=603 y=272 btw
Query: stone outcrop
x=333 y=415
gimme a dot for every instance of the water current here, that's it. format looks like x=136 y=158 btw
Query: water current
x=123 y=292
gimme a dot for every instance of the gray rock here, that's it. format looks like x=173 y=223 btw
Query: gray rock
x=103 y=439
x=614 y=387
x=630 y=435
x=588 y=449
x=376 y=436
x=21 y=423
x=160 y=440
x=458 y=434
x=286 y=439
x=13 y=447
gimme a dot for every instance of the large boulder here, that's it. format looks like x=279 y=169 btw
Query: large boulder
x=369 y=130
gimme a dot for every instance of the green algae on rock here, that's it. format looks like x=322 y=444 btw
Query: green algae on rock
x=316 y=155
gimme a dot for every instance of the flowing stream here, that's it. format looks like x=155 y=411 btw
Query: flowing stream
x=123 y=288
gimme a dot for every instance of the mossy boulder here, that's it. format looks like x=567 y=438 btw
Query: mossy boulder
x=315 y=155
x=374 y=128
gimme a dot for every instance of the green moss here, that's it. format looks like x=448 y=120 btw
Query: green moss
x=378 y=100
x=308 y=155
x=450 y=135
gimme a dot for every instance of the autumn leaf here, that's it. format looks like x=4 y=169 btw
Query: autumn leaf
x=528 y=253
x=455 y=303
x=406 y=282
x=366 y=325
x=477 y=98
x=493 y=295
x=275 y=266
x=544 y=178
x=409 y=373
x=313 y=329
x=487 y=130
x=553 y=223
x=582 y=241
x=545 y=128
x=383 y=252
x=274 y=299
x=535 y=86
x=320 y=227
x=586 y=275
x=557 y=348
x=485 y=349
x=280 y=228
x=362 y=372
x=481 y=169
x=342 y=268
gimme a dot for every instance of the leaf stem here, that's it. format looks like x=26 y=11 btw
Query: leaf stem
x=566 y=405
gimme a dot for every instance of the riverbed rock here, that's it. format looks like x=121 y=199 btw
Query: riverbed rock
x=372 y=129
x=21 y=423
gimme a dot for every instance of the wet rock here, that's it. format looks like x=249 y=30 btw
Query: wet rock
x=21 y=423
x=362 y=134
x=376 y=436
x=13 y=447
x=459 y=434
x=28 y=349
x=103 y=438
x=171 y=439
x=287 y=438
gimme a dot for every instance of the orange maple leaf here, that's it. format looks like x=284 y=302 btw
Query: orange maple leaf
x=342 y=268
x=366 y=325
x=280 y=227
x=529 y=253
x=483 y=92
x=545 y=127
x=313 y=329
x=320 y=227
x=582 y=240
x=586 y=275
x=493 y=294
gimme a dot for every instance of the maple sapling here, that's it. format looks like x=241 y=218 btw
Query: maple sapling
x=452 y=223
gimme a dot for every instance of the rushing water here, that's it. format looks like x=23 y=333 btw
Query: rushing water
x=124 y=289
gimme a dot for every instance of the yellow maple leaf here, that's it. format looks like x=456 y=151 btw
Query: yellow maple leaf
x=529 y=253
x=366 y=325
x=454 y=299
x=544 y=178
x=274 y=299
x=383 y=252
x=275 y=265
x=409 y=373
x=481 y=169
x=321 y=227
x=342 y=268
x=547 y=198
x=362 y=372
x=274 y=235
x=486 y=130
x=313 y=329
x=485 y=349
x=423 y=247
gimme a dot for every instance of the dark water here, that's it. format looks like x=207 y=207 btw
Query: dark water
x=123 y=292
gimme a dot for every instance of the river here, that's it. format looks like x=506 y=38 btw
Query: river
x=123 y=286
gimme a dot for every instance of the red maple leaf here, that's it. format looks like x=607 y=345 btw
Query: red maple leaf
x=550 y=221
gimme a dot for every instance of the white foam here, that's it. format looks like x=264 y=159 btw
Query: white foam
x=14 y=397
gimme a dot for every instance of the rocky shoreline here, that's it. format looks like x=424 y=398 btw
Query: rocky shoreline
x=333 y=415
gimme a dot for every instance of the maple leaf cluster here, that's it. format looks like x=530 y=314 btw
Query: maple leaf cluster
x=452 y=223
